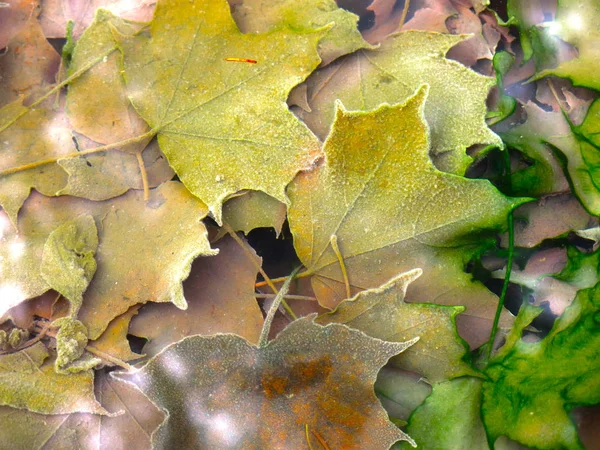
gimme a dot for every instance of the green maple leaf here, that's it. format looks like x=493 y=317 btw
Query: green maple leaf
x=532 y=386
x=382 y=313
x=578 y=23
x=391 y=73
x=392 y=211
x=223 y=125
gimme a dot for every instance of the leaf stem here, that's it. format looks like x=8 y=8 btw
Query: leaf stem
x=288 y=297
x=509 y=263
x=59 y=86
x=310 y=447
x=264 y=334
x=105 y=356
x=305 y=274
x=338 y=254
x=89 y=151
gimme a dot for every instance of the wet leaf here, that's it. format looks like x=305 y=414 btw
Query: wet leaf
x=114 y=341
x=39 y=135
x=15 y=17
x=137 y=262
x=254 y=209
x=392 y=211
x=383 y=314
x=56 y=13
x=29 y=64
x=28 y=381
x=220 y=297
x=314 y=376
x=68 y=263
x=532 y=387
x=578 y=23
x=130 y=429
x=390 y=74
x=450 y=417
x=262 y=16
x=224 y=126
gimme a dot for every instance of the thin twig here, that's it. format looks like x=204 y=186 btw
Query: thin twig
x=288 y=297
x=305 y=274
x=320 y=439
x=144 y=175
x=89 y=151
x=310 y=447
x=338 y=254
x=264 y=333
x=105 y=356
x=404 y=13
x=244 y=246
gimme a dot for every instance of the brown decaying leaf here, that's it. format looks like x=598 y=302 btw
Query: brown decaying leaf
x=130 y=429
x=56 y=13
x=114 y=341
x=137 y=261
x=15 y=16
x=222 y=392
x=220 y=297
x=29 y=65
x=548 y=219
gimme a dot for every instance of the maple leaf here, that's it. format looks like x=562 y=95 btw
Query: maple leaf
x=223 y=125
x=137 y=262
x=382 y=313
x=450 y=417
x=28 y=380
x=28 y=65
x=135 y=420
x=532 y=386
x=391 y=211
x=98 y=107
x=254 y=209
x=260 y=16
x=391 y=73
x=220 y=297
x=309 y=376
x=577 y=23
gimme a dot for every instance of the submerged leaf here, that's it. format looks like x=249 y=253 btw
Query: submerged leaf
x=220 y=297
x=137 y=261
x=309 y=377
x=533 y=386
x=68 y=263
x=391 y=211
x=262 y=16
x=391 y=73
x=382 y=313
x=223 y=125
x=28 y=381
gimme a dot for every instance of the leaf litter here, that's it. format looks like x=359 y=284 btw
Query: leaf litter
x=97 y=240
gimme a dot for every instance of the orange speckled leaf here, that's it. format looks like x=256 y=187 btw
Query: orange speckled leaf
x=222 y=392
